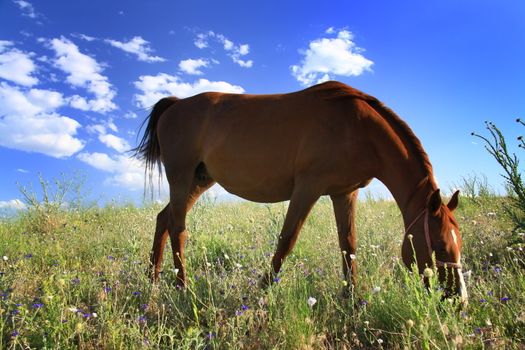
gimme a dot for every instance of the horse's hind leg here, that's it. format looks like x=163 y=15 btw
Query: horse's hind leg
x=344 y=209
x=176 y=228
x=183 y=195
x=303 y=198
x=159 y=242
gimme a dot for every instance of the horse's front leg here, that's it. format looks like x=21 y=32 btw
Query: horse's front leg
x=302 y=201
x=344 y=209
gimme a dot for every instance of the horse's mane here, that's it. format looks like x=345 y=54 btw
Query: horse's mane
x=407 y=136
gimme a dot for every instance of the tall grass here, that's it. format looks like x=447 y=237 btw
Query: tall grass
x=83 y=284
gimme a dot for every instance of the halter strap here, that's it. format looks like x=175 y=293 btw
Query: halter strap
x=429 y=242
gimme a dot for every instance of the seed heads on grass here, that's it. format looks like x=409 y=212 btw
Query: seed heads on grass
x=409 y=323
x=428 y=272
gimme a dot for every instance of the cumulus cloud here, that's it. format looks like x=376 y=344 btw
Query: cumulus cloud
x=117 y=143
x=16 y=204
x=125 y=171
x=233 y=50
x=109 y=140
x=137 y=46
x=16 y=66
x=154 y=87
x=85 y=72
x=327 y=57
x=191 y=66
x=28 y=122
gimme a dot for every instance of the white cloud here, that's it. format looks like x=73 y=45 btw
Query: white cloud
x=32 y=102
x=234 y=51
x=326 y=57
x=85 y=72
x=154 y=87
x=16 y=66
x=84 y=37
x=112 y=141
x=202 y=41
x=126 y=172
x=137 y=46
x=130 y=115
x=118 y=144
x=28 y=122
x=191 y=66
x=27 y=8
x=13 y=204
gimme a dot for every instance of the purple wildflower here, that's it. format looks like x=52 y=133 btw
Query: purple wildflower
x=144 y=307
x=505 y=299
x=107 y=289
x=141 y=319
x=75 y=281
x=110 y=257
x=210 y=335
x=15 y=312
x=483 y=300
x=363 y=302
x=38 y=305
x=28 y=256
x=136 y=293
x=244 y=307
x=15 y=333
x=276 y=279
x=238 y=312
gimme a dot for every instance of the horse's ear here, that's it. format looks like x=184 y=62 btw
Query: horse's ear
x=453 y=202
x=434 y=203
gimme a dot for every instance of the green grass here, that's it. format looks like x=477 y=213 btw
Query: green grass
x=76 y=279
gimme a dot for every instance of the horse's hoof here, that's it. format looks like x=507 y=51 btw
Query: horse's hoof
x=266 y=280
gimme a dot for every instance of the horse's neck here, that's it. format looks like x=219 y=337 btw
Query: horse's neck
x=410 y=184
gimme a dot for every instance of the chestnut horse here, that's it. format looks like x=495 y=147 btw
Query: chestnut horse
x=329 y=139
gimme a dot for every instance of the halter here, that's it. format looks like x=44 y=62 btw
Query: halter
x=429 y=242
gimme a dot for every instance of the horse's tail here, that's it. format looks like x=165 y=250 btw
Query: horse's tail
x=148 y=148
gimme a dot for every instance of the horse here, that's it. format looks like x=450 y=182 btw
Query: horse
x=329 y=139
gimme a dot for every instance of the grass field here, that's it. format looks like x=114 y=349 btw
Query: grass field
x=76 y=279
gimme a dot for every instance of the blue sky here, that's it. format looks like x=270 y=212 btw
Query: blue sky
x=76 y=77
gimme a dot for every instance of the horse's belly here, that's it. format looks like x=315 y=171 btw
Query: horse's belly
x=257 y=181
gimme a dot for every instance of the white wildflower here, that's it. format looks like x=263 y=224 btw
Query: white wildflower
x=376 y=289
x=5 y=258
x=352 y=256
x=311 y=301
x=226 y=257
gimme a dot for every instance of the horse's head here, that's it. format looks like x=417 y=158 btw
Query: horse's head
x=436 y=231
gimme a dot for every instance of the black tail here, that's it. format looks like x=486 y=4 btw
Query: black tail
x=149 y=148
